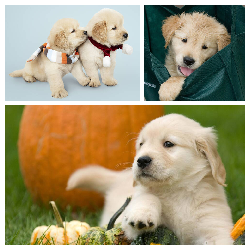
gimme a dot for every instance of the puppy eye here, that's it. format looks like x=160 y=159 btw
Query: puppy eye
x=184 y=40
x=168 y=144
x=73 y=31
x=204 y=47
x=114 y=28
x=141 y=144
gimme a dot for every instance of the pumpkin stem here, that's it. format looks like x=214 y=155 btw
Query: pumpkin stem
x=118 y=213
x=57 y=214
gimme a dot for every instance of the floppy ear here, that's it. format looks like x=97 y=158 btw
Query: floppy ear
x=170 y=25
x=61 y=40
x=223 y=39
x=206 y=145
x=99 y=31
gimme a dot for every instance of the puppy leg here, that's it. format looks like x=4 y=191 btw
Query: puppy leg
x=170 y=89
x=142 y=214
x=79 y=74
x=28 y=78
x=22 y=73
x=57 y=86
x=92 y=71
x=107 y=75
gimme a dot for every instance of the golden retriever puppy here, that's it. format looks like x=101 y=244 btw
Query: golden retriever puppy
x=178 y=180
x=192 y=39
x=56 y=58
x=106 y=35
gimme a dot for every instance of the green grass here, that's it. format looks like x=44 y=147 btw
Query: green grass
x=22 y=215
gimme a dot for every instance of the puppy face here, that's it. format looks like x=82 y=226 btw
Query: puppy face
x=172 y=149
x=66 y=35
x=193 y=39
x=106 y=27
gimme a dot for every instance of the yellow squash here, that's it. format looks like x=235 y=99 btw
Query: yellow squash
x=65 y=233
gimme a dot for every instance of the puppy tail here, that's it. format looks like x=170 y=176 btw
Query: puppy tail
x=95 y=178
x=17 y=73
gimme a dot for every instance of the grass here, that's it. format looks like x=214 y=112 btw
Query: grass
x=22 y=215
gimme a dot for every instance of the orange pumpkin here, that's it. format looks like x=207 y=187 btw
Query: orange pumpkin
x=54 y=141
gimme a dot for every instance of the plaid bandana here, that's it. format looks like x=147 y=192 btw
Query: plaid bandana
x=106 y=50
x=55 y=56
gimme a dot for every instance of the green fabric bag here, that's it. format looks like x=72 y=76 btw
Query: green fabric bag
x=221 y=78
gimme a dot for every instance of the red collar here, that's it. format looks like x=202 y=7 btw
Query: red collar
x=106 y=50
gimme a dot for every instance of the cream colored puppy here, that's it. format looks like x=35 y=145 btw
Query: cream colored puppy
x=60 y=58
x=106 y=35
x=178 y=180
x=192 y=39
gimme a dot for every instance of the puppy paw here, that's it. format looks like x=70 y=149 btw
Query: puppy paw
x=94 y=83
x=29 y=78
x=137 y=222
x=110 y=82
x=60 y=93
x=170 y=89
x=85 y=81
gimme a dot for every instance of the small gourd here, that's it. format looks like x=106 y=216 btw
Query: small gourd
x=64 y=233
x=161 y=236
x=238 y=232
x=112 y=235
x=102 y=236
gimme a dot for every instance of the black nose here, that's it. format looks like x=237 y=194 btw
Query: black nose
x=188 y=60
x=125 y=35
x=143 y=161
x=85 y=32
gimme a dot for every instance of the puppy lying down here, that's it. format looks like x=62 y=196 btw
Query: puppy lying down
x=176 y=180
x=191 y=38
x=56 y=58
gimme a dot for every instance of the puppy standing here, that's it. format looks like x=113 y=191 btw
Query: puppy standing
x=65 y=36
x=106 y=35
x=192 y=40
x=178 y=177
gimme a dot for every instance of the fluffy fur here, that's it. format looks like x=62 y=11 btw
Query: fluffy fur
x=192 y=39
x=105 y=27
x=65 y=36
x=181 y=188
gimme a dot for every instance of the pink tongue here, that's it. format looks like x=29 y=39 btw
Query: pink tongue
x=186 y=71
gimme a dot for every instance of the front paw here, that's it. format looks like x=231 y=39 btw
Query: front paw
x=94 y=83
x=60 y=93
x=170 y=89
x=85 y=81
x=29 y=78
x=137 y=222
x=110 y=82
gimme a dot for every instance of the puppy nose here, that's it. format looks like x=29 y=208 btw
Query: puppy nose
x=85 y=33
x=188 y=60
x=143 y=161
x=125 y=35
